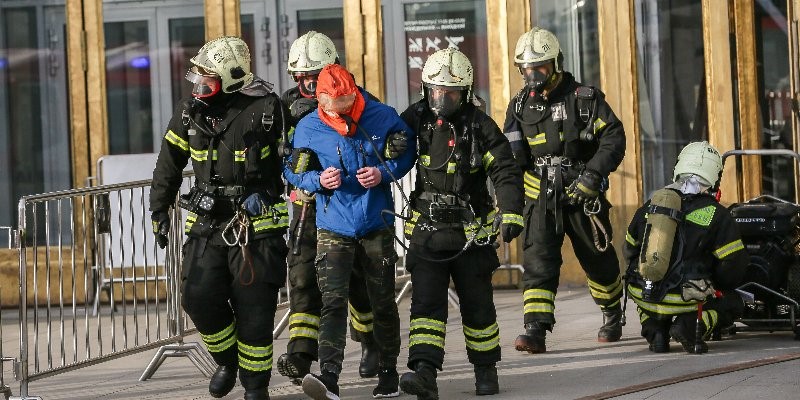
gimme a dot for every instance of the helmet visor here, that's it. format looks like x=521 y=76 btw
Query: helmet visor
x=205 y=84
x=535 y=74
x=445 y=101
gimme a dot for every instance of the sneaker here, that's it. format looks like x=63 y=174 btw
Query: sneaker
x=532 y=340
x=321 y=387
x=294 y=366
x=388 y=384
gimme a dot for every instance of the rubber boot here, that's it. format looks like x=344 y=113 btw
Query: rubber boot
x=611 y=331
x=532 y=340
x=324 y=386
x=256 y=394
x=222 y=381
x=294 y=366
x=370 y=357
x=683 y=330
x=421 y=382
x=660 y=342
x=486 y=380
x=388 y=385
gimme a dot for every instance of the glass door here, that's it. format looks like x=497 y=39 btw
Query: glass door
x=34 y=123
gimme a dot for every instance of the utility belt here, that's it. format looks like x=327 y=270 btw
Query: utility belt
x=555 y=174
x=204 y=199
x=551 y=166
x=448 y=208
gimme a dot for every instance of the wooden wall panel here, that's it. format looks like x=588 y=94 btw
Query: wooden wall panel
x=76 y=70
x=363 y=33
x=222 y=18
x=748 y=96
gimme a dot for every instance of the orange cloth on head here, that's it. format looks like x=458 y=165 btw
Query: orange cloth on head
x=337 y=82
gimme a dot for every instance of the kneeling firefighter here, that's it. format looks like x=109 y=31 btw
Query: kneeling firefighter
x=567 y=140
x=307 y=56
x=685 y=256
x=454 y=223
x=235 y=255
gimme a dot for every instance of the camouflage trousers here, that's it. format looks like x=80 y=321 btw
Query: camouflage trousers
x=374 y=258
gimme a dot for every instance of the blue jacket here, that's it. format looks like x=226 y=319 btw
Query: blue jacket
x=352 y=210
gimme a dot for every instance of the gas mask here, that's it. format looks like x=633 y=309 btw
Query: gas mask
x=534 y=78
x=307 y=83
x=206 y=84
x=445 y=101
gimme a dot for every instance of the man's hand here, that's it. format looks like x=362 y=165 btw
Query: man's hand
x=396 y=145
x=369 y=177
x=331 y=178
x=161 y=225
x=302 y=106
x=509 y=225
x=585 y=188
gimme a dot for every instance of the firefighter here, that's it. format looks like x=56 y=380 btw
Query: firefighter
x=453 y=223
x=347 y=135
x=308 y=54
x=567 y=140
x=235 y=254
x=707 y=257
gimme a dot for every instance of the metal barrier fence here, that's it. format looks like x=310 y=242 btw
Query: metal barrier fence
x=94 y=286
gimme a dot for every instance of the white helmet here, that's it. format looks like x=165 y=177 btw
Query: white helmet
x=228 y=57
x=447 y=70
x=701 y=159
x=310 y=52
x=536 y=47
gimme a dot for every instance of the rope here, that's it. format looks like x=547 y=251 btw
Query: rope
x=237 y=233
x=591 y=209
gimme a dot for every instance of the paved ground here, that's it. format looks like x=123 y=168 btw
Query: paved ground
x=575 y=366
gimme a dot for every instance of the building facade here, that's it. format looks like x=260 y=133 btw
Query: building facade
x=80 y=79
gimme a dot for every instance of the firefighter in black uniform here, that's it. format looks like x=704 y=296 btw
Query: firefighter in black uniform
x=308 y=54
x=567 y=140
x=692 y=293
x=235 y=254
x=454 y=223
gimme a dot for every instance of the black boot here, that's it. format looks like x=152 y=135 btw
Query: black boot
x=294 y=366
x=486 y=380
x=684 y=330
x=611 y=331
x=370 y=356
x=324 y=386
x=421 y=382
x=660 y=342
x=256 y=394
x=222 y=381
x=387 y=384
x=532 y=340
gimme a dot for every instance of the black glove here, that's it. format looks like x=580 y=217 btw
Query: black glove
x=585 y=188
x=396 y=145
x=509 y=225
x=161 y=224
x=301 y=107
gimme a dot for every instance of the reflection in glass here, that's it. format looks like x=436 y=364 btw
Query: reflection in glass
x=672 y=103
x=437 y=25
x=328 y=21
x=574 y=23
x=186 y=37
x=130 y=112
x=772 y=51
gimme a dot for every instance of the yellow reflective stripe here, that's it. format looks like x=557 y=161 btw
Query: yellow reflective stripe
x=451 y=168
x=490 y=344
x=265 y=152
x=427 y=323
x=538 y=139
x=643 y=316
x=422 y=338
x=202 y=155
x=663 y=309
x=484 y=230
x=539 y=294
x=531 y=180
x=710 y=318
x=729 y=249
x=539 y=307
x=215 y=337
x=488 y=159
x=269 y=223
x=512 y=219
x=238 y=155
x=481 y=333
x=302 y=163
x=630 y=239
x=255 y=351
x=532 y=193
x=190 y=220
x=670 y=298
x=176 y=140
x=359 y=315
x=599 y=124
x=425 y=160
x=221 y=346
x=408 y=226
x=257 y=366
x=302 y=331
x=298 y=318
x=599 y=291
x=361 y=327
